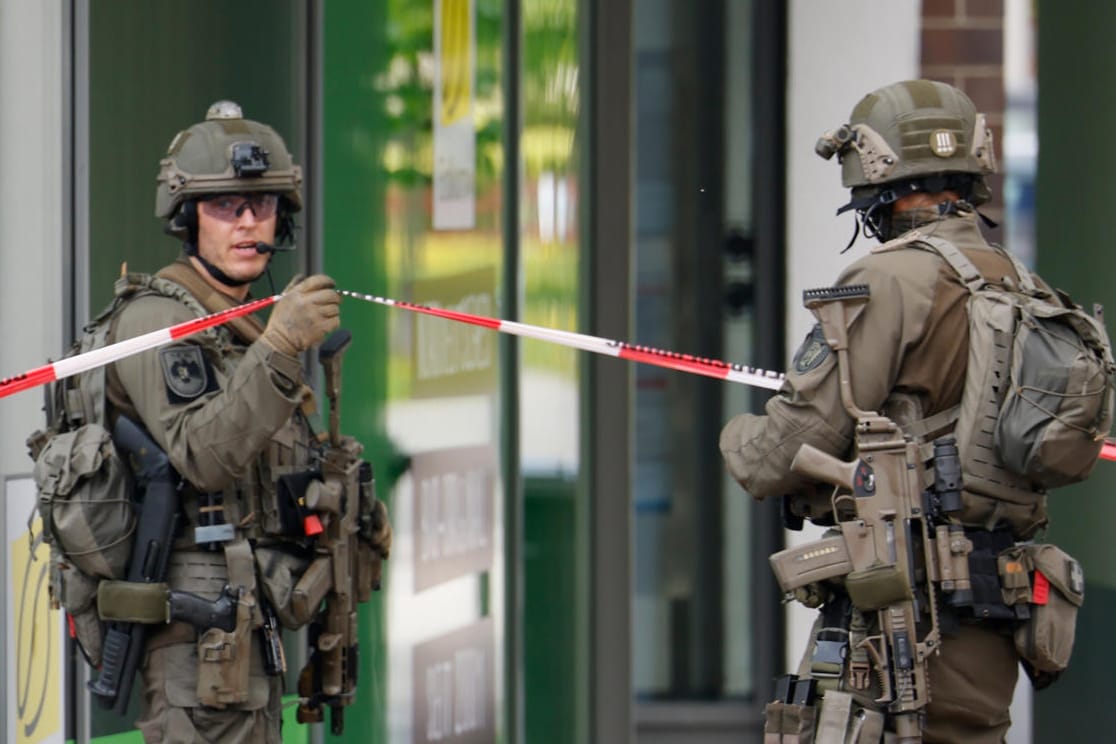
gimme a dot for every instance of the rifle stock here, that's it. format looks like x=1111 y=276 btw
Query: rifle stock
x=888 y=539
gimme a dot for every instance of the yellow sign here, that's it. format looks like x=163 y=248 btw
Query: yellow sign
x=456 y=60
x=36 y=635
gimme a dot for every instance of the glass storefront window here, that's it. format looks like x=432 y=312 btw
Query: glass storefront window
x=692 y=610
x=414 y=166
x=549 y=384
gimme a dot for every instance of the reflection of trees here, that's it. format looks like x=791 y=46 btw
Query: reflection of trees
x=407 y=90
x=549 y=81
x=550 y=85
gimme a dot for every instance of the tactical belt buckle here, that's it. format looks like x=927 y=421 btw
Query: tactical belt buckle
x=828 y=660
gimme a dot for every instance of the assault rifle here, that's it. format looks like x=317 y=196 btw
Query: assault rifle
x=344 y=499
x=886 y=551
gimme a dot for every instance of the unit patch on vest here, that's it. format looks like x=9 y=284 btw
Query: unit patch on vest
x=812 y=352
x=187 y=373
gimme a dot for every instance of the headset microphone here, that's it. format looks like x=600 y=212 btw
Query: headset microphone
x=262 y=247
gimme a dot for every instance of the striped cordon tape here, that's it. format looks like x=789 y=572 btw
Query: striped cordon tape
x=113 y=352
x=644 y=354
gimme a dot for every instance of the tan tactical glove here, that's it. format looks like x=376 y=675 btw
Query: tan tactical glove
x=309 y=311
x=381 y=530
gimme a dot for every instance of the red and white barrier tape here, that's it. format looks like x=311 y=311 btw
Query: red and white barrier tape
x=620 y=349
x=645 y=354
x=113 y=352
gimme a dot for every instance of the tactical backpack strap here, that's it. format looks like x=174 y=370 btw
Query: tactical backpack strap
x=1025 y=282
x=970 y=276
x=965 y=269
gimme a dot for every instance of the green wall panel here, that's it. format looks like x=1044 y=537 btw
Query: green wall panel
x=353 y=132
x=154 y=68
x=1076 y=118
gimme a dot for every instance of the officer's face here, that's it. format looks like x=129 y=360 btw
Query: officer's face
x=229 y=227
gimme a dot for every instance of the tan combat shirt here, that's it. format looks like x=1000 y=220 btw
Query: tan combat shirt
x=910 y=337
x=250 y=392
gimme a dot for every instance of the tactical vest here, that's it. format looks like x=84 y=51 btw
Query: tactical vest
x=86 y=490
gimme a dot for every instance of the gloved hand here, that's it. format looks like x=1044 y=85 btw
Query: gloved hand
x=309 y=311
x=381 y=532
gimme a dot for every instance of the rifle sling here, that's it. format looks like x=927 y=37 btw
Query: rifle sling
x=247 y=328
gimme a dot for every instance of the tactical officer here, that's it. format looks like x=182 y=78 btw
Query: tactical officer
x=229 y=407
x=915 y=155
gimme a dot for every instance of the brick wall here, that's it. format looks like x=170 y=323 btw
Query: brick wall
x=963 y=45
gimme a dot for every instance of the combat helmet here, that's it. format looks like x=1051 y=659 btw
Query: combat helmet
x=225 y=153
x=914 y=135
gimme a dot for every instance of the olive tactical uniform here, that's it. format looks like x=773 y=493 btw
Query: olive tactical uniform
x=229 y=407
x=908 y=348
x=226 y=411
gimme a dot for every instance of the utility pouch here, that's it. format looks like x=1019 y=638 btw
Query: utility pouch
x=77 y=593
x=280 y=572
x=311 y=589
x=1014 y=568
x=773 y=722
x=833 y=721
x=799 y=722
x=1045 y=641
x=877 y=587
x=85 y=500
x=224 y=659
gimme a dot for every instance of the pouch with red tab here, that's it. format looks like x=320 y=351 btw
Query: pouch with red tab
x=1045 y=641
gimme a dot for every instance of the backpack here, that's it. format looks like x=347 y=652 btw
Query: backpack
x=1037 y=400
x=85 y=488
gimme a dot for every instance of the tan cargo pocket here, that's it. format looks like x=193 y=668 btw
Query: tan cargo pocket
x=1057 y=589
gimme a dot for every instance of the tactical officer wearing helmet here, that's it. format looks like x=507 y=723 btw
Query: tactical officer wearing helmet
x=915 y=155
x=229 y=407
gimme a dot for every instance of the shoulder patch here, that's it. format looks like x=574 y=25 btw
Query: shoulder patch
x=186 y=372
x=813 y=351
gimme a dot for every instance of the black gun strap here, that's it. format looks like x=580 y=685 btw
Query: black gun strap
x=831 y=644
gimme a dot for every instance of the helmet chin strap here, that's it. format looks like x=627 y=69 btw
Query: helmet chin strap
x=191 y=250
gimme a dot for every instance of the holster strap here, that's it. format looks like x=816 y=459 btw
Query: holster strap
x=132 y=602
x=242 y=573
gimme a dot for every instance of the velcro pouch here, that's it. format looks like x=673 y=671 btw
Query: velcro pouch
x=877 y=587
x=1057 y=591
x=1014 y=568
x=132 y=601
